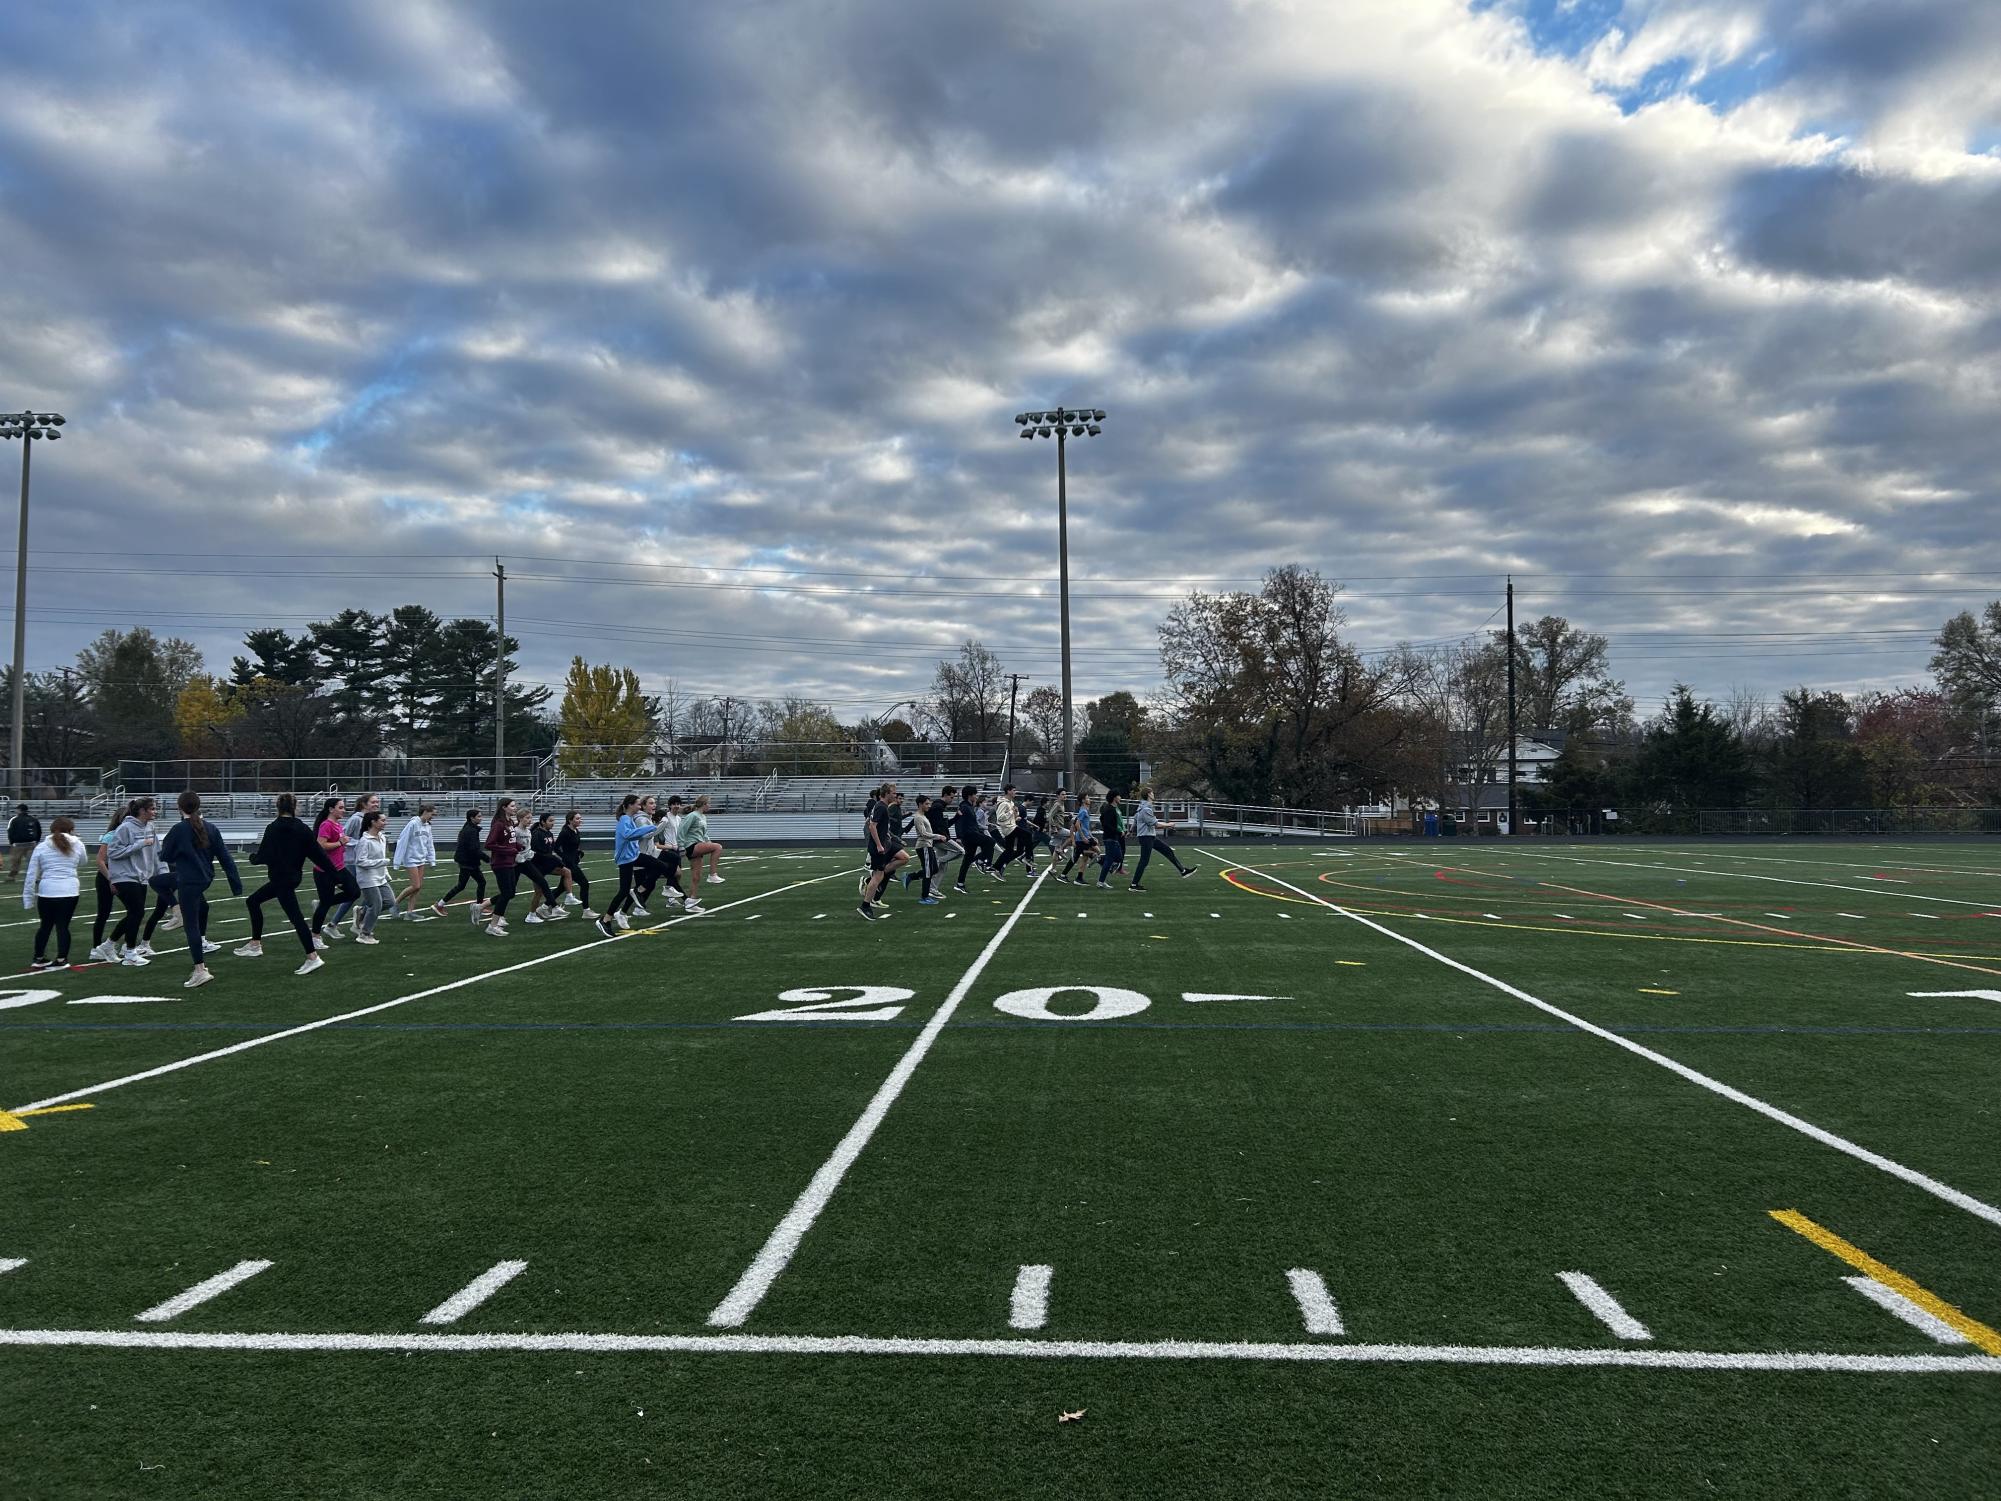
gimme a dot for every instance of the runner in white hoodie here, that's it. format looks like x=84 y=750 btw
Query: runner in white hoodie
x=416 y=851
x=52 y=888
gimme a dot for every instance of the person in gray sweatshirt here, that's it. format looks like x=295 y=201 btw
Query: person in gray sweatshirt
x=132 y=858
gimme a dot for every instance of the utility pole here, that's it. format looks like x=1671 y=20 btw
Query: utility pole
x=1512 y=810
x=1013 y=687
x=500 y=682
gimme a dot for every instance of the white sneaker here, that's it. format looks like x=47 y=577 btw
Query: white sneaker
x=553 y=914
x=479 y=916
x=251 y=950
x=534 y=916
x=694 y=906
x=494 y=929
x=313 y=962
x=366 y=938
x=624 y=924
x=571 y=899
x=587 y=915
x=133 y=959
x=639 y=911
x=319 y=941
x=171 y=921
x=439 y=908
x=145 y=949
x=105 y=953
x=199 y=978
x=714 y=879
x=332 y=933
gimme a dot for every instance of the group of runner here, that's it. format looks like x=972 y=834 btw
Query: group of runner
x=356 y=873
x=989 y=833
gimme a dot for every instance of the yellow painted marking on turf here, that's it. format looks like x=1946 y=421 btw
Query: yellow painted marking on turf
x=1975 y=1331
x=1648 y=990
x=1162 y=937
x=1352 y=963
x=17 y=1120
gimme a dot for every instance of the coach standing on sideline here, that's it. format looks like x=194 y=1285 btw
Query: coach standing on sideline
x=23 y=834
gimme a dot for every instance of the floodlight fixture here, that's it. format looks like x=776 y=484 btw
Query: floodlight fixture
x=1064 y=423
x=27 y=426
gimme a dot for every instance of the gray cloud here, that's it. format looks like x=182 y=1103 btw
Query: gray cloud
x=421 y=283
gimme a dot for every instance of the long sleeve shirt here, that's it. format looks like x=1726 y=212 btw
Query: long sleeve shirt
x=371 y=860
x=1006 y=817
x=288 y=846
x=54 y=872
x=570 y=846
x=1145 y=823
x=625 y=844
x=467 y=851
x=193 y=864
x=134 y=852
x=502 y=845
x=694 y=828
x=415 y=846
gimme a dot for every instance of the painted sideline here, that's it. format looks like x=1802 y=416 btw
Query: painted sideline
x=1977 y=1207
x=418 y=995
x=766 y=1267
x=1018 y=1349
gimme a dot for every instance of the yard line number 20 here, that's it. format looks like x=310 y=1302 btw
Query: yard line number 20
x=881 y=1003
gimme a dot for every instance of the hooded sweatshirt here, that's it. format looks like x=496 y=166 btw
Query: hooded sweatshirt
x=415 y=846
x=132 y=853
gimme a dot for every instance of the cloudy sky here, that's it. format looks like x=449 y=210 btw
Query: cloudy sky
x=713 y=320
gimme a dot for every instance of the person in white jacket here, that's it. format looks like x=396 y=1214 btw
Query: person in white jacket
x=369 y=855
x=53 y=887
x=416 y=852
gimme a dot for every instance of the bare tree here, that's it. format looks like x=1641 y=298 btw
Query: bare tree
x=969 y=696
x=1564 y=679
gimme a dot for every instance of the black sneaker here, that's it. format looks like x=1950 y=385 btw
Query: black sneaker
x=959 y=888
x=1187 y=871
x=1136 y=888
x=1104 y=885
x=867 y=911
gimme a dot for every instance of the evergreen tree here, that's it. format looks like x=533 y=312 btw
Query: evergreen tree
x=277 y=656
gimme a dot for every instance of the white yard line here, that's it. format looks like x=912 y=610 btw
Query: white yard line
x=1747 y=875
x=475 y=1292
x=1604 y=1307
x=201 y=1292
x=1977 y=1207
x=1018 y=1349
x=778 y=1251
x=12 y=1263
x=404 y=1000
x=1028 y=1306
x=1893 y=1302
x=1316 y=1304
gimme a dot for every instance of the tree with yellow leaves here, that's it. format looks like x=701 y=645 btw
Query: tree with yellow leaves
x=604 y=721
x=208 y=717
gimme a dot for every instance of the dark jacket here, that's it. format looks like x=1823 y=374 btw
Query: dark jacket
x=467 y=851
x=542 y=845
x=25 y=829
x=501 y=845
x=285 y=847
x=569 y=846
x=968 y=825
x=194 y=866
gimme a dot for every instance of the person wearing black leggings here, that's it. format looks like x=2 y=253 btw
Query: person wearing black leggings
x=570 y=850
x=283 y=849
x=503 y=848
x=190 y=850
x=467 y=855
x=52 y=888
x=132 y=855
x=107 y=897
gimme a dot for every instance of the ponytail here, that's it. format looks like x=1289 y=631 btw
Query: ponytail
x=59 y=829
x=189 y=803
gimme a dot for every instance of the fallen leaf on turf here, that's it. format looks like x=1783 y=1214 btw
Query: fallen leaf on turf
x=1071 y=1417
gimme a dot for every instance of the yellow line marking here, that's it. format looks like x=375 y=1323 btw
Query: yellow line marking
x=16 y=1120
x=1975 y=1331
x=1757 y=927
x=1649 y=990
x=1352 y=963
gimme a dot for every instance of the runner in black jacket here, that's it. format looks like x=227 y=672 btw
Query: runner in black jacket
x=570 y=850
x=283 y=850
x=467 y=855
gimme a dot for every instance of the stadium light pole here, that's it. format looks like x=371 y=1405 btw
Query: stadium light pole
x=1062 y=424
x=28 y=427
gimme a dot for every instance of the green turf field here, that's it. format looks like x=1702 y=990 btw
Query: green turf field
x=1352 y=1170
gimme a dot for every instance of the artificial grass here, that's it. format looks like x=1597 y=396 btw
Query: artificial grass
x=1437 y=1149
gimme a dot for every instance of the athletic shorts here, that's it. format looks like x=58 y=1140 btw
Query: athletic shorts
x=882 y=860
x=546 y=865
